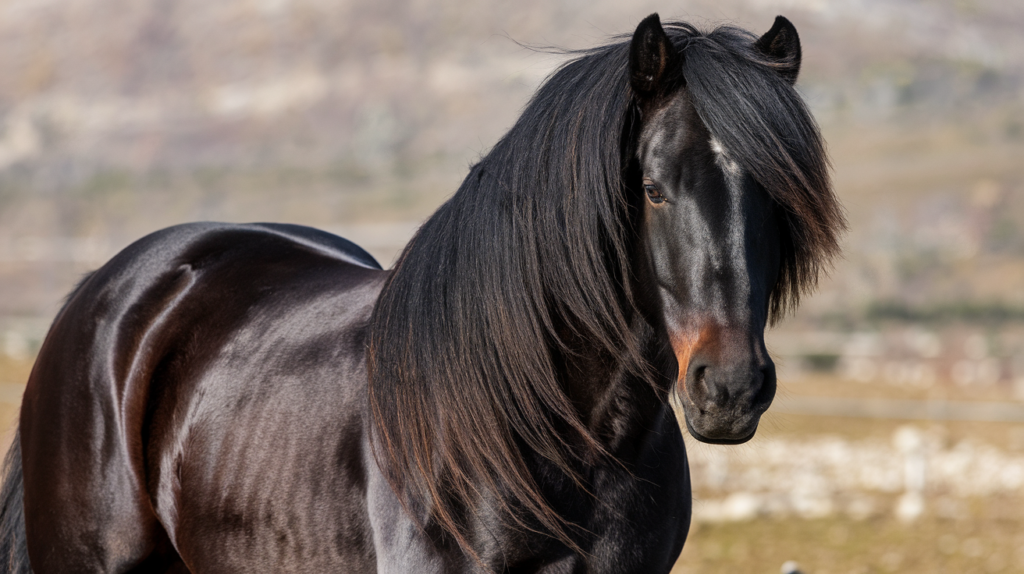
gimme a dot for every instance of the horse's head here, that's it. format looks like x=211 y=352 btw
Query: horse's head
x=717 y=239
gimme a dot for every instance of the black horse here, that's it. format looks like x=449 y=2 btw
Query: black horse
x=256 y=398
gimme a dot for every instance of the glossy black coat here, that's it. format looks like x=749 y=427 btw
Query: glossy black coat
x=200 y=403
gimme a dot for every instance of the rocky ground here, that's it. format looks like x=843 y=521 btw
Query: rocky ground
x=858 y=495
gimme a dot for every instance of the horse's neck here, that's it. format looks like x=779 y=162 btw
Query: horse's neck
x=615 y=404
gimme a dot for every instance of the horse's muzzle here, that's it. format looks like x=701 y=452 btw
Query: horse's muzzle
x=724 y=390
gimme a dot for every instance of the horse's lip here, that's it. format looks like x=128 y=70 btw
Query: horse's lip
x=705 y=439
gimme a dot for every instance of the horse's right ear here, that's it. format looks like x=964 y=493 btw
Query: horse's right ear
x=651 y=57
x=782 y=44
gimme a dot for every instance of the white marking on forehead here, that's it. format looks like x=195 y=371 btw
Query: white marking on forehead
x=734 y=246
x=724 y=161
x=656 y=141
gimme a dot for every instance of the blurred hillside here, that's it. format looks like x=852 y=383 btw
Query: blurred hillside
x=120 y=117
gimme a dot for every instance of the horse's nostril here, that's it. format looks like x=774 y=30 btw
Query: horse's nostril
x=766 y=392
x=698 y=374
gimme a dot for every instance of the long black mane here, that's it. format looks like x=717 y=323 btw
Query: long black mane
x=536 y=248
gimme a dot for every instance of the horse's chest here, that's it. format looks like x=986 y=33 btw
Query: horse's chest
x=637 y=523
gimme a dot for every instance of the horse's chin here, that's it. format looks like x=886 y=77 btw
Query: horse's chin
x=723 y=438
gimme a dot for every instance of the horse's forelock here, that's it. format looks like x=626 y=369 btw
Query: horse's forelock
x=763 y=122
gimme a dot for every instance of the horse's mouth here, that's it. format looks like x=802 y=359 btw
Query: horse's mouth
x=719 y=440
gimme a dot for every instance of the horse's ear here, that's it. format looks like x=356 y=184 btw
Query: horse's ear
x=782 y=45
x=651 y=56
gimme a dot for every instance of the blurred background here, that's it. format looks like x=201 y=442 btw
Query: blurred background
x=897 y=441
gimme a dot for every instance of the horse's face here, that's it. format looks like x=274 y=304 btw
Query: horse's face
x=714 y=244
x=714 y=249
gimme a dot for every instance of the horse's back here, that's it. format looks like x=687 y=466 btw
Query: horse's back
x=183 y=389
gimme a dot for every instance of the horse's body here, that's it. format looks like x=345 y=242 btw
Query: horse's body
x=226 y=399
x=232 y=430
x=229 y=398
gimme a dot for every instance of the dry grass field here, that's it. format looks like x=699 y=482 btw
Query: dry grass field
x=13 y=374
x=973 y=543
x=967 y=523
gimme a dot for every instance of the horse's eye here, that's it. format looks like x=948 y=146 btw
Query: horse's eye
x=653 y=194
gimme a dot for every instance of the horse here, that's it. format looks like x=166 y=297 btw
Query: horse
x=265 y=397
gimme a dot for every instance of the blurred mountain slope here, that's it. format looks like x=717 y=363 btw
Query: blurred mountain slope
x=119 y=117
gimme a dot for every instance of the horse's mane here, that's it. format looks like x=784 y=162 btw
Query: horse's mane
x=534 y=249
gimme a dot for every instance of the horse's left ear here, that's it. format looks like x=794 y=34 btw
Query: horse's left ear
x=652 y=58
x=782 y=45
